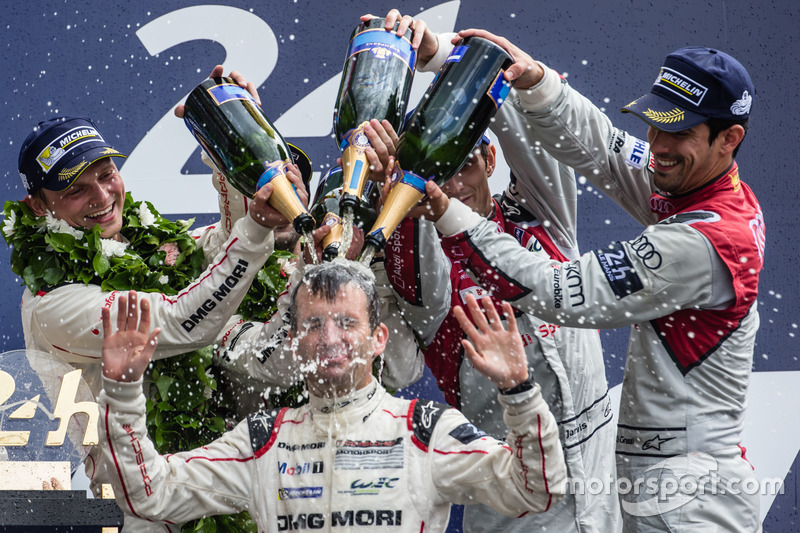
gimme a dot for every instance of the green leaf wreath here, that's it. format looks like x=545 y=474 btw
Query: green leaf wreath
x=184 y=408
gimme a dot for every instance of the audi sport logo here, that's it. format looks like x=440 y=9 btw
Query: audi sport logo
x=660 y=205
x=645 y=251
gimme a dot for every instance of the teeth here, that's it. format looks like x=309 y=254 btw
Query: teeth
x=664 y=163
x=101 y=213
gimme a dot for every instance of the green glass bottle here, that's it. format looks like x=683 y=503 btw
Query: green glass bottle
x=325 y=209
x=441 y=133
x=244 y=145
x=376 y=82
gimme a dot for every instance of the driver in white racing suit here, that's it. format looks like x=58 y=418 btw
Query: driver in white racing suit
x=355 y=456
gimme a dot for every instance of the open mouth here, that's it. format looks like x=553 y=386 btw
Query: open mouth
x=100 y=214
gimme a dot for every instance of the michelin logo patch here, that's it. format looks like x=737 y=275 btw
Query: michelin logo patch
x=684 y=86
x=293 y=493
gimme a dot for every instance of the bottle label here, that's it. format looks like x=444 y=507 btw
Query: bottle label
x=414 y=180
x=273 y=169
x=331 y=219
x=383 y=44
x=456 y=55
x=355 y=138
x=498 y=90
x=227 y=92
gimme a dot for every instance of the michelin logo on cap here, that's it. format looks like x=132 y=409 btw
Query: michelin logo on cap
x=685 y=87
x=74 y=137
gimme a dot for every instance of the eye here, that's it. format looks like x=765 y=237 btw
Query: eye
x=346 y=322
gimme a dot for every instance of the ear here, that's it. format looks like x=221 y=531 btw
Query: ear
x=730 y=138
x=491 y=158
x=379 y=338
x=36 y=205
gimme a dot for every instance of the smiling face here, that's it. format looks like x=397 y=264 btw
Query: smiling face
x=684 y=160
x=471 y=184
x=96 y=197
x=334 y=342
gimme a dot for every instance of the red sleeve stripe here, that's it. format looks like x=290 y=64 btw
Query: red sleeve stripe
x=116 y=465
x=200 y=280
x=544 y=469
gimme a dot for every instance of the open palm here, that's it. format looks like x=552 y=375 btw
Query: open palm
x=496 y=352
x=128 y=351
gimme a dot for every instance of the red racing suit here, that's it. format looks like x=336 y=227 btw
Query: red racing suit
x=687 y=285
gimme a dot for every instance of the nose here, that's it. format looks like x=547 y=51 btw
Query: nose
x=331 y=333
x=657 y=140
x=99 y=195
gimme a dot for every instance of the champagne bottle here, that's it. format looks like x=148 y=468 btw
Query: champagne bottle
x=376 y=82
x=326 y=206
x=244 y=145
x=441 y=133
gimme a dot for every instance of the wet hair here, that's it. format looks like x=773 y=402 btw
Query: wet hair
x=718 y=125
x=327 y=279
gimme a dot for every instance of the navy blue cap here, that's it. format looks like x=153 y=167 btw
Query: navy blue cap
x=696 y=83
x=58 y=150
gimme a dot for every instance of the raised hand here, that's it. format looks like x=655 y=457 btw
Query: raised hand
x=128 y=351
x=495 y=352
x=524 y=72
x=260 y=208
x=424 y=42
x=237 y=76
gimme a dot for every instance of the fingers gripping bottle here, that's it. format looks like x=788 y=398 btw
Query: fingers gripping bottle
x=441 y=133
x=326 y=206
x=376 y=82
x=244 y=145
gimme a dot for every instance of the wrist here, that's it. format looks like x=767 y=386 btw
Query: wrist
x=521 y=386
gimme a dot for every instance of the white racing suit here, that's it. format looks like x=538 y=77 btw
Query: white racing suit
x=364 y=462
x=539 y=210
x=688 y=287
x=66 y=320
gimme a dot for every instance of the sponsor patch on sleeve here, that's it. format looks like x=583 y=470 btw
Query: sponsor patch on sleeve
x=636 y=153
x=618 y=270
x=466 y=433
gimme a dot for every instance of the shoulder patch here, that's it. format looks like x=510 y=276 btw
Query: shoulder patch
x=690 y=217
x=261 y=426
x=424 y=419
x=466 y=433
x=512 y=209
x=619 y=271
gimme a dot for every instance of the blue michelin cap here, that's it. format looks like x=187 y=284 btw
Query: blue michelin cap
x=696 y=83
x=58 y=150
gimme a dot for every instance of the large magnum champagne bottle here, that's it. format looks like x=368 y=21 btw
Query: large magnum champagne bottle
x=441 y=133
x=326 y=206
x=376 y=82
x=244 y=145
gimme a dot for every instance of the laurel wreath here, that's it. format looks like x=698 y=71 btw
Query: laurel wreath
x=185 y=407
x=664 y=117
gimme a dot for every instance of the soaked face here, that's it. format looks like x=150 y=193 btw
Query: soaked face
x=684 y=160
x=334 y=342
x=96 y=197
x=471 y=184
